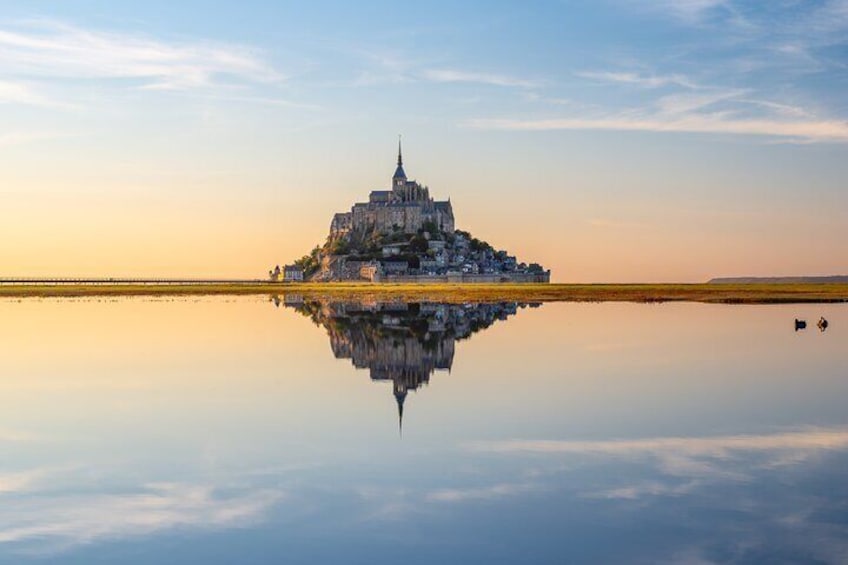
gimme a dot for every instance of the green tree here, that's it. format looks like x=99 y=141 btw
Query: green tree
x=430 y=227
x=418 y=244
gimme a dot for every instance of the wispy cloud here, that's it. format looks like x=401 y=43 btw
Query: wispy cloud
x=21 y=481
x=452 y=75
x=59 y=50
x=643 y=489
x=716 y=446
x=57 y=522
x=687 y=463
x=27 y=94
x=685 y=102
x=690 y=8
x=781 y=109
x=681 y=104
x=688 y=11
x=717 y=123
x=637 y=79
x=479 y=493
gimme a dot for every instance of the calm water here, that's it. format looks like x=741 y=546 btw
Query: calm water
x=243 y=430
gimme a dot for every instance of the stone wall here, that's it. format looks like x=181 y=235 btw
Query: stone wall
x=470 y=278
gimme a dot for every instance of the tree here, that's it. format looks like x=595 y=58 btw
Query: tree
x=418 y=244
x=430 y=226
x=338 y=246
x=480 y=245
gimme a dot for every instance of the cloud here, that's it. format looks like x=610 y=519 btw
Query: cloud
x=686 y=465
x=399 y=74
x=682 y=103
x=450 y=75
x=647 y=81
x=21 y=481
x=714 y=446
x=715 y=123
x=265 y=101
x=690 y=107
x=687 y=11
x=641 y=490
x=479 y=493
x=24 y=93
x=782 y=109
x=55 y=522
x=690 y=9
x=58 y=50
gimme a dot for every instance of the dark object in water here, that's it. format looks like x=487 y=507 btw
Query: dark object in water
x=800 y=324
x=822 y=324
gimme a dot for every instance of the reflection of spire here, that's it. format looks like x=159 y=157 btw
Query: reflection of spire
x=400 y=343
x=400 y=396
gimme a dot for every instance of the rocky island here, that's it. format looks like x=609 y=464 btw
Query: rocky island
x=403 y=235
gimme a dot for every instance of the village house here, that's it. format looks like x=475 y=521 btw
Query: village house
x=292 y=273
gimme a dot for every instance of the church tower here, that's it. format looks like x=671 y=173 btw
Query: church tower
x=399 y=180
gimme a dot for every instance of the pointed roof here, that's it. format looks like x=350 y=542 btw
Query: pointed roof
x=399 y=172
x=400 y=396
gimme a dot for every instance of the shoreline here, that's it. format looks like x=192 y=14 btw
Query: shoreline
x=745 y=293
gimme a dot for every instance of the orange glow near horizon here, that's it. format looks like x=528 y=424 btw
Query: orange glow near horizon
x=169 y=232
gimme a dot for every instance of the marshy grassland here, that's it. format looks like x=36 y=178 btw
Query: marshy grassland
x=769 y=293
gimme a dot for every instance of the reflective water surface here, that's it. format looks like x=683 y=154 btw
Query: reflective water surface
x=249 y=430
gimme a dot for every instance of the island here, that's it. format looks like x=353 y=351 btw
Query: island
x=404 y=235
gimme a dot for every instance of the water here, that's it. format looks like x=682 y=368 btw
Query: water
x=248 y=430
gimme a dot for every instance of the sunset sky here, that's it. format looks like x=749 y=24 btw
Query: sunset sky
x=609 y=140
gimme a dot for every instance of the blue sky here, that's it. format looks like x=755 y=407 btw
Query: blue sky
x=666 y=123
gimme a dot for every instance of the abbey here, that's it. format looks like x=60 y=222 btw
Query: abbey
x=407 y=208
x=404 y=235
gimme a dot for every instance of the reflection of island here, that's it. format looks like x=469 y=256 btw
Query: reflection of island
x=400 y=342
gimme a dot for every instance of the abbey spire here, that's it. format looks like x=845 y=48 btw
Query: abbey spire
x=400 y=175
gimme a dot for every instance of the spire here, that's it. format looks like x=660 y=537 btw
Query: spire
x=400 y=175
x=400 y=418
x=400 y=396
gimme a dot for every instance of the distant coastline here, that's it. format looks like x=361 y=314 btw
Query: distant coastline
x=829 y=279
x=766 y=293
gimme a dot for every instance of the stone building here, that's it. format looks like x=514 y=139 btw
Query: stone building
x=406 y=208
x=403 y=235
x=292 y=273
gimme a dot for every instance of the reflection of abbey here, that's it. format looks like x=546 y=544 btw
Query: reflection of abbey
x=404 y=235
x=399 y=342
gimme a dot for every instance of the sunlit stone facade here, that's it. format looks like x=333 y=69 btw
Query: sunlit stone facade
x=406 y=208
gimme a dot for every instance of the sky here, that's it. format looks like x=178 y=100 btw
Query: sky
x=611 y=140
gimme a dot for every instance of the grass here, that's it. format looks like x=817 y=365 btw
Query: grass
x=716 y=293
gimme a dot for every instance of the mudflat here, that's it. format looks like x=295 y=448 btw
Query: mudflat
x=763 y=293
